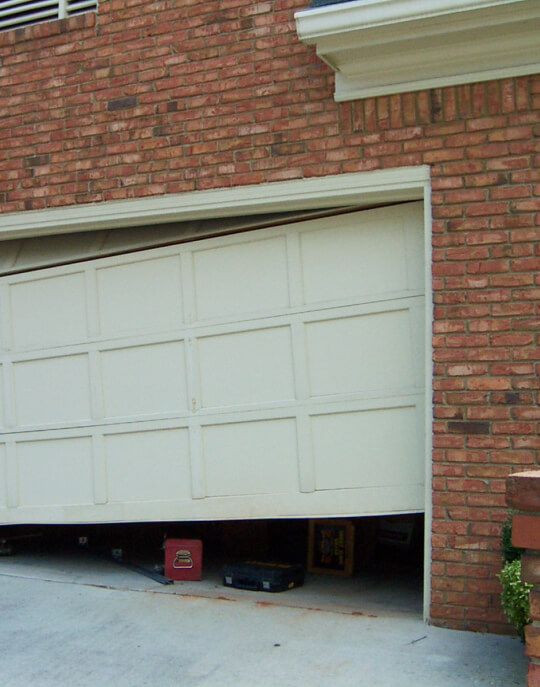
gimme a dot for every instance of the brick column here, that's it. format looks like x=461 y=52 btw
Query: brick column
x=523 y=496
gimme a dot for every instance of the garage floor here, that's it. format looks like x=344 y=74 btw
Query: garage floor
x=396 y=592
x=69 y=618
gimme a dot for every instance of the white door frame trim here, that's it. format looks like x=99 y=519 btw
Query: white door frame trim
x=360 y=189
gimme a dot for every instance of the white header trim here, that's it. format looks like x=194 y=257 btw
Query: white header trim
x=362 y=189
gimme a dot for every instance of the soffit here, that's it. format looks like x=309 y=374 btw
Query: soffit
x=380 y=47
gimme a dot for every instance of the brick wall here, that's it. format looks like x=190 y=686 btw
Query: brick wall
x=164 y=97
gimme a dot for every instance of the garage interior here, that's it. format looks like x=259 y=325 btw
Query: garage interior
x=386 y=576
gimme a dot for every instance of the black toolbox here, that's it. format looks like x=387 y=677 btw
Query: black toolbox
x=263 y=577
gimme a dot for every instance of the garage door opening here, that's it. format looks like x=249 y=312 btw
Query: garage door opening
x=385 y=575
x=271 y=375
x=241 y=372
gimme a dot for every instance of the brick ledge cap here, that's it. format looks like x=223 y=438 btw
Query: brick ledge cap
x=523 y=490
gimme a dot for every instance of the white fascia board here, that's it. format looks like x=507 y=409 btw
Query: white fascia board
x=380 y=47
x=348 y=17
x=349 y=88
x=358 y=189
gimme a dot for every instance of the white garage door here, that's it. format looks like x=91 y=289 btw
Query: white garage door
x=268 y=374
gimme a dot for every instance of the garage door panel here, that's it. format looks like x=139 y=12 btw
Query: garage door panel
x=3 y=421
x=250 y=276
x=355 y=257
x=52 y=390
x=250 y=458
x=55 y=472
x=3 y=476
x=370 y=448
x=364 y=353
x=144 y=380
x=48 y=311
x=249 y=367
x=148 y=466
x=140 y=296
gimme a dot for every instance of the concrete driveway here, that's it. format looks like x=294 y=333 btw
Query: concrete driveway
x=60 y=628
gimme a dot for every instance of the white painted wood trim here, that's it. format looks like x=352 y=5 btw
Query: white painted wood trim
x=428 y=398
x=6 y=336
x=260 y=507
x=10 y=414
x=357 y=189
x=99 y=469
x=353 y=89
x=198 y=482
x=12 y=475
x=381 y=47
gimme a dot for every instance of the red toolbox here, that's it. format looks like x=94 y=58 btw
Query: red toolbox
x=183 y=559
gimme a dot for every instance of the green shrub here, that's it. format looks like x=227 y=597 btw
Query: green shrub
x=515 y=595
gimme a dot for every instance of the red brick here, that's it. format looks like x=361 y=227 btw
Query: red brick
x=489 y=615
x=489 y=383
x=533 y=675
x=487 y=500
x=532 y=641
x=526 y=531
x=444 y=611
x=534 y=604
x=465 y=571
x=483 y=586
x=447 y=583
x=468 y=600
x=509 y=428
x=530 y=568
